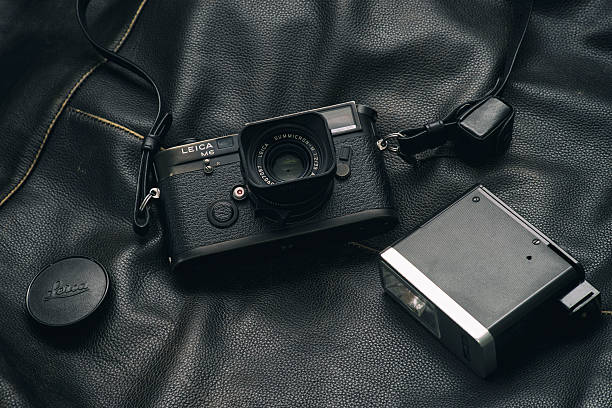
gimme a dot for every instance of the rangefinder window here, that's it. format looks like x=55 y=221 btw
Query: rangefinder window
x=340 y=119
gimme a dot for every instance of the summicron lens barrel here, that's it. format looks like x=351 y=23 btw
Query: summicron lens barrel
x=286 y=156
x=288 y=163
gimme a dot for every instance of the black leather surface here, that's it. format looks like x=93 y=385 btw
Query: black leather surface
x=310 y=328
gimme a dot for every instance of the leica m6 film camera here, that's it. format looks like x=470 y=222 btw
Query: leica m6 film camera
x=477 y=271
x=311 y=174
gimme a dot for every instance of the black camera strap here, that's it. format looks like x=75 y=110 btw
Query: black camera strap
x=152 y=140
x=436 y=133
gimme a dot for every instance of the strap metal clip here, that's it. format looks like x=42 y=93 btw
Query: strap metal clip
x=154 y=193
x=383 y=144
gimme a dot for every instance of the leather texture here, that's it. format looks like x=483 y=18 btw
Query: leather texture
x=311 y=327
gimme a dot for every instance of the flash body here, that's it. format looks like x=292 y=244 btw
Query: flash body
x=485 y=282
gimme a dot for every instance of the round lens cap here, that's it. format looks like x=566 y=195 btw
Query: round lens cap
x=67 y=291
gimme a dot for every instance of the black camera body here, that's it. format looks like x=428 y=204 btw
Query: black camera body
x=306 y=177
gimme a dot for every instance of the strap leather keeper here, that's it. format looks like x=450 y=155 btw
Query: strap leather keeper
x=431 y=135
x=485 y=130
x=435 y=127
x=151 y=142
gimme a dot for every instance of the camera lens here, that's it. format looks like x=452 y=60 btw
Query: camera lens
x=288 y=164
x=287 y=161
x=286 y=156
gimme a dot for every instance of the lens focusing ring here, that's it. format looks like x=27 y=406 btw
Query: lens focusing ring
x=297 y=211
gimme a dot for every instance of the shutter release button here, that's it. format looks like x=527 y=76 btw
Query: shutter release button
x=222 y=213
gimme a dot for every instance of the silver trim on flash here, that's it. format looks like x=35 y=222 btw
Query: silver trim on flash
x=448 y=306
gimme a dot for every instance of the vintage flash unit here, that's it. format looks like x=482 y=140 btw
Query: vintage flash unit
x=473 y=273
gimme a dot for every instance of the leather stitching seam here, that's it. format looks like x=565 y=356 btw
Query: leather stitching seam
x=106 y=122
x=65 y=102
x=129 y=29
x=46 y=135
